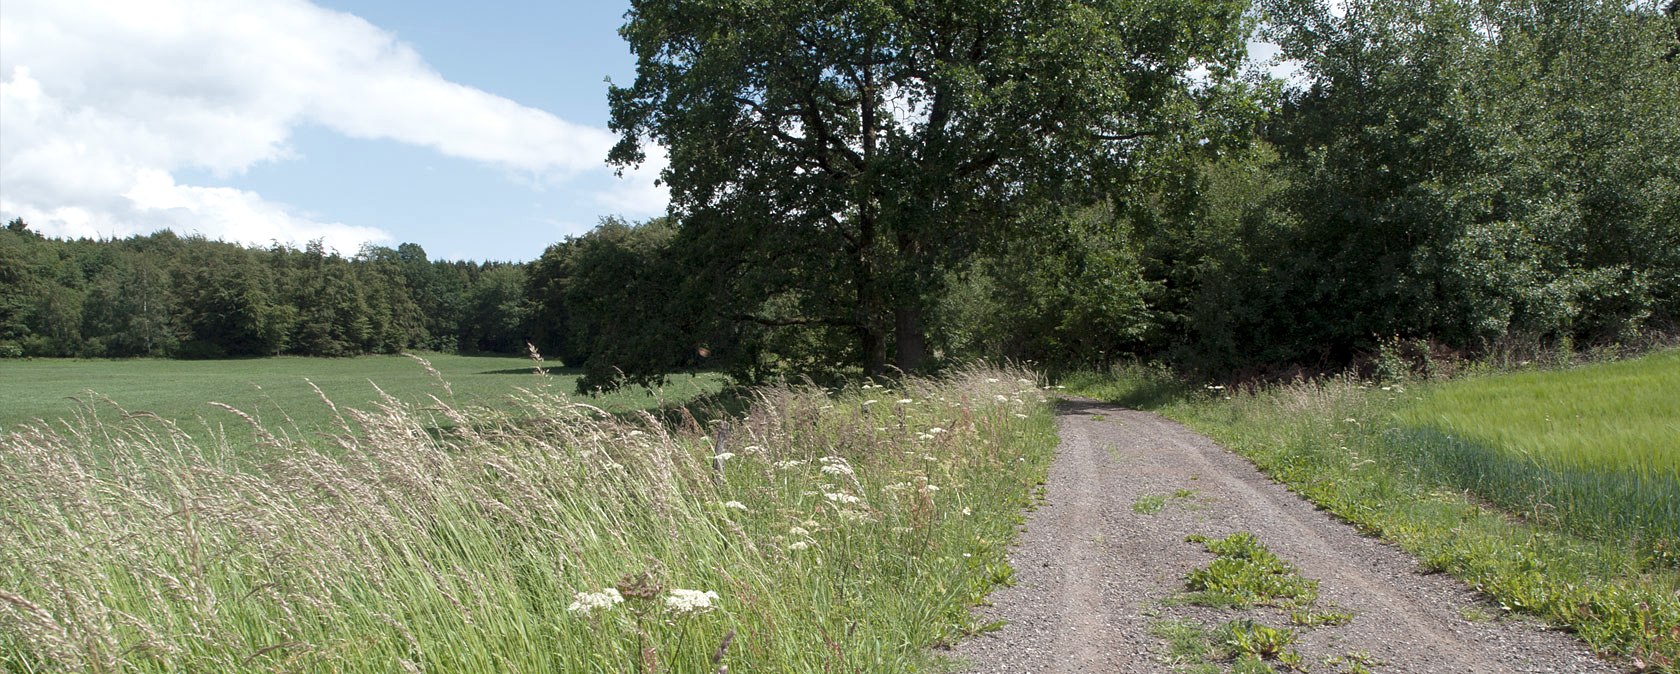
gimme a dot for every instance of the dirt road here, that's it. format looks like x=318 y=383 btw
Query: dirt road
x=1093 y=574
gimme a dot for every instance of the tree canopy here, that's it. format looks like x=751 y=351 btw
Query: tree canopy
x=836 y=158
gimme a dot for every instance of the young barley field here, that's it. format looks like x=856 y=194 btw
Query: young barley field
x=278 y=391
x=1596 y=447
x=819 y=532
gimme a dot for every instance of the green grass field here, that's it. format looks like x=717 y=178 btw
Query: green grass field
x=1596 y=447
x=1620 y=416
x=276 y=389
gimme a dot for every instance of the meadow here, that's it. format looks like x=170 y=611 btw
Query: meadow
x=819 y=531
x=1555 y=492
x=278 y=389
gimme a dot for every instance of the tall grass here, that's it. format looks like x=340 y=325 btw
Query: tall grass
x=818 y=533
x=1345 y=445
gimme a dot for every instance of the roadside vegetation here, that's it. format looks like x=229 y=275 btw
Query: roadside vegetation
x=815 y=533
x=1570 y=520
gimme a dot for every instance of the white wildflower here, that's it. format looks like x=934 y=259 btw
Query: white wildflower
x=935 y=430
x=798 y=545
x=809 y=524
x=752 y=448
x=734 y=505
x=799 y=531
x=991 y=380
x=923 y=436
x=932 y=487
x=586 y=602
x=905 y=401
x=723 y=456
x=1001 y=398
x=842 y=498
x=966 y=512
x=869 y=402
x=837 y=469
x=685 y=602
x=1019 y=415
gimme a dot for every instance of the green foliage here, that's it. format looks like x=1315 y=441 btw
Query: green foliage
x=836 y=161
x=614 y=303
x=1245 y=574
x=164 y=296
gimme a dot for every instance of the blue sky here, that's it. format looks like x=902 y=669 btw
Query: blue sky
x=477 y=130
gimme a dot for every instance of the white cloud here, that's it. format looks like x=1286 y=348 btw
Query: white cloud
x=101 y=103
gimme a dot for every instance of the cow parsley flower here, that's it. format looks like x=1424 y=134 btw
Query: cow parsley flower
x=799 y=531
x=723 y=456
x=586 y=602
x=798 y=545
x=689 y=602
x=735 y=505
x=842 y=498
x=837 y=469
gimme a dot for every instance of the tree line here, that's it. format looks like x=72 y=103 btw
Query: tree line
x=163 y=295
x=861 y=185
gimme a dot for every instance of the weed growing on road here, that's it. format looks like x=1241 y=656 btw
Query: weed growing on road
x=1246 y=574
x=1149 y=504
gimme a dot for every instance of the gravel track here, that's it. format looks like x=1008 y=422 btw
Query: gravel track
x=1092 y=575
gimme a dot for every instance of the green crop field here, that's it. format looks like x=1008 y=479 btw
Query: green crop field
x=277 y=389
x=1596 y=446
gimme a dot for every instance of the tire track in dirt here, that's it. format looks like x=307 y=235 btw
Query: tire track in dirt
x=1092 y=575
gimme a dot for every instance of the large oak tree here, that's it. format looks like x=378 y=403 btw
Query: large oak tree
x=830 y=159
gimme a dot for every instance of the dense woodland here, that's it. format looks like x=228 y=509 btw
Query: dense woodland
x=864 y=185
x=167 y=296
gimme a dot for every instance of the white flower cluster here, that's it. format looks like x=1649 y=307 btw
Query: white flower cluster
x=834 y=465
x=788 y=463
x=844 y=499
x=796 y=546
x=689 y=602
x=724 y=456
x=735 y=505
x=587 y=602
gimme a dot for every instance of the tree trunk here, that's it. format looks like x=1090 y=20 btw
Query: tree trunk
x=910 y=339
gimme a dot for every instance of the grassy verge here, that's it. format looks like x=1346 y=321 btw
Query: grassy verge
x=817 y=533
x=1355 y=450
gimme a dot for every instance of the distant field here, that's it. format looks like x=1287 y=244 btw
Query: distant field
x=1598 y=445
x=1615 y=416
x=273 y=389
